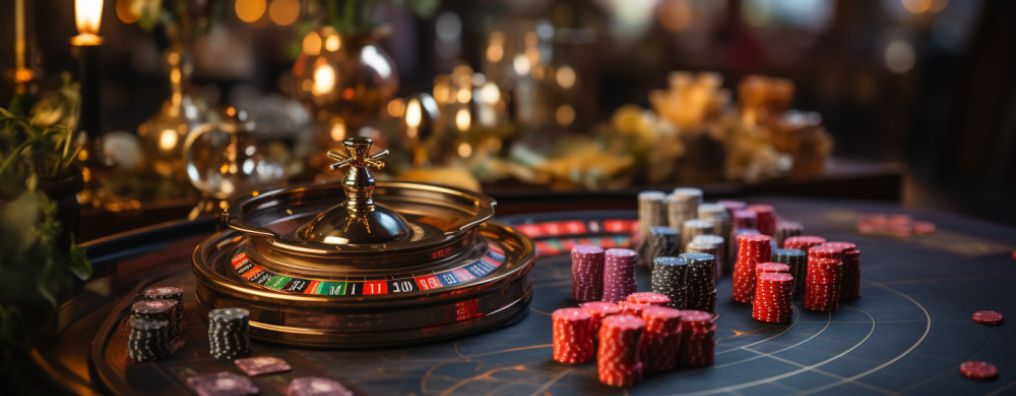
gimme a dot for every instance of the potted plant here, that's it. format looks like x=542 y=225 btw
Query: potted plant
x=39 y=263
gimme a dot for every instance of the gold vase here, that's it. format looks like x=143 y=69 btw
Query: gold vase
x=163 y=135
x=345 y=80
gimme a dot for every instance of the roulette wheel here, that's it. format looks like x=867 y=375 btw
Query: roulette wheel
x=393 y=263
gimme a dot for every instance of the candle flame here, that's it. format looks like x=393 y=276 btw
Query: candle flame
x=414 y=113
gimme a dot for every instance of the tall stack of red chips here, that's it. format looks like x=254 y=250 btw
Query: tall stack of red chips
x=765 y=218
x=600 y=310
x=587 y=272
x=573 y=335
x=617 y=357
x=619 y=274
x=851 y=256
x=751 y=250
x=697 y=344
x=824 y=279
x=649 y=298
x=661 y=343
x=773 y=295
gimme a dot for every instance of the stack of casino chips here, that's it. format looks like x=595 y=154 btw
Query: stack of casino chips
x=712 y=244
x=228 y=333
x=797 y=261
x=652 y=211
x=752 y=249
x=148 y=339
x=773 y=295
x=701 y=281
x=693 y=228
x=851 y=256
x=619 y=274
x=573 y=335
x=787 y=229
x=824 y=279
x=587 y=272
x=649 y=298
x=697 y=344
x=765 y=218
x=731 y=206
x=803 y=243
x=744 y=218
x=157 y=310
x=617 y=355
x=670 y=278
x=660 y=346
x=682 y=205
x=600 y=310
x=169 y=293
x=662 y=241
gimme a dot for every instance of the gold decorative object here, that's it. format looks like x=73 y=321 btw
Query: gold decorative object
x=345 y=81
x=394 y=263
x=164 y=134
x=223 y=160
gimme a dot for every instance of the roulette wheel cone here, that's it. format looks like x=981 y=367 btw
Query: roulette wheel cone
x=365 y=263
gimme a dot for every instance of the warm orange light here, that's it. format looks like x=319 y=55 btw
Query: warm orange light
x=249 y=10
x=88 y=19
x=284 y=12
x=324 y=79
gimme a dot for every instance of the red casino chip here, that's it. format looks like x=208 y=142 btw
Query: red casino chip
x=649 y=298
x=697 y=343
x=661 y=343
x=573 y=336
x=617 y=356
x=752 y=249
x=765 y=218
x=773 y=295
x=802 y=242
x=978 y=370
x=988 y=318
x=633 y=308
x=772 y=267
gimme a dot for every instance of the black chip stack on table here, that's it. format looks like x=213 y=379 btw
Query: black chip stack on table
x=157 y=310
x=701 y=281
x=173 y=294
x=712 y=244
x=148 y=339
x=798 y=261
x=670 y=278
x=227 y=333
x=787 y=229
x=662 y=241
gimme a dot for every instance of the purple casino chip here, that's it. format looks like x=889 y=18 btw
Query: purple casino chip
x=619 y=274
x=261 y=365
x=223 y=383
x=316 y=386
x=587 y=272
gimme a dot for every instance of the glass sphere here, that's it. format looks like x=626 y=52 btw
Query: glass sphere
x=224 y=160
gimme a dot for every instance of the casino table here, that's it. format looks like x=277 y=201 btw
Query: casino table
x=908 y=333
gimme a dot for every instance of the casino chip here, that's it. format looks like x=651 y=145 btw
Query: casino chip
x=617 y=355
x=824 y=279
x=978 y=370
x=765 y=218
x=751 y=250
x=701 y=281
x=988 y=318
x=650 y=298
x=261 y=365
x=711 y=244
x=228 y=333
x=573 y=335
x=222 y=383
x=682 y=205
x=587 y=272
x=670 y=278
x=619 y=274
x=662 y=241
x=697 y=343
x=157 y=310
x=652 y=211
x=797 y=260
x=600 y=310
x=316 y=386
x=773 y=295
x=148 y=339
x=169 y=293
x=661 y=343
x=695 y=227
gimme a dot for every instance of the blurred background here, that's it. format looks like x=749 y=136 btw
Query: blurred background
x=878 y=99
